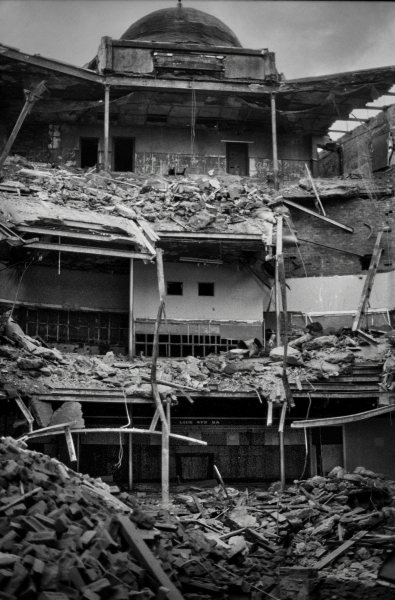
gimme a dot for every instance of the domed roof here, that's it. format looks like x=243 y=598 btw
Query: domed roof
x=184 y=26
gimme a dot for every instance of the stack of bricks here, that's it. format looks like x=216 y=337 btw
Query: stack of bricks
x=56 y=538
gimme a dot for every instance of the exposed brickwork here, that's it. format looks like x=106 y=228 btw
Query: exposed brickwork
x=33 y=142
x=357 y=146
x=353 y=212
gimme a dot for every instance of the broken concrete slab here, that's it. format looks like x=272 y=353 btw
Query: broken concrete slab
x=67 y=413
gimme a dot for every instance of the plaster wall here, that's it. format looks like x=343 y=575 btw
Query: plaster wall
x=237 y=295
x=157 y=148
x=166 y=139
x=339 y=293
x=371 y=444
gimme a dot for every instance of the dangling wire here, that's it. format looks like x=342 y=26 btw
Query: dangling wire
x=120 y=454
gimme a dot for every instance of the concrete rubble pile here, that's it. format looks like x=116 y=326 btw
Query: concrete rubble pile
x=32 y=367
x=302 y=525
x=67 y=536
x=192 y=203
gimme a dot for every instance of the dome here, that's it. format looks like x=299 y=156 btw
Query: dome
x=182 y=26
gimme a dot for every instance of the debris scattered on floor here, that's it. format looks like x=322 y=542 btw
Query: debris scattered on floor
x=68 y=536
x=195 y=203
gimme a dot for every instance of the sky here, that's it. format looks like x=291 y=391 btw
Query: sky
x=308 y=37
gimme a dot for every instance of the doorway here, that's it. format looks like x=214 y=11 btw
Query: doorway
x=237 y=159
x=89 y=147
x=123 y=150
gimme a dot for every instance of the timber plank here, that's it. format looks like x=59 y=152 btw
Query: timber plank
x=140 y=549
x=339 y=551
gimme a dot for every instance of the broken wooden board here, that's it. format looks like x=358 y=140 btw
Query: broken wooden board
x=139 y=548
x=339 y=551
x=369 y=280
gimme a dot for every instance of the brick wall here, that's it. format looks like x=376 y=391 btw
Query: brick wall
x=353 y=212
x=358 y=146
x=33 y=142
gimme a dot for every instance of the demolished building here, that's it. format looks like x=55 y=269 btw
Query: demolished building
x=175 y=138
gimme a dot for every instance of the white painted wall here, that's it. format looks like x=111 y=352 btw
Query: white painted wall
x=237 y=295
x=339 y=293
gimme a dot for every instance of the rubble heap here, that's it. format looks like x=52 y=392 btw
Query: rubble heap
x=224 y=203
x=67 y=536
x=38 y=369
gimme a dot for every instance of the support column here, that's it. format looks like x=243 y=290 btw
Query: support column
x=279 y=250
x=274 y=140
x=106 y=164
x=281 y=441
x=130 y=453
x=131 y=344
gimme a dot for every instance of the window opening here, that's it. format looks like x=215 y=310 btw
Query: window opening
x=174 y=288
x=181 y=346
x=205 y=289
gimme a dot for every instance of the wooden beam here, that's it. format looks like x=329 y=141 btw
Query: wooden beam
x=339 y=551
x=131 y=345
x=279 y=250
x=281 y=443
x=70 y=444
x=355 y=119
x=50 y=64
x=368 y=285
x=90 y=250
x=318 y=203
x=130 y=453
x=274 y=139
x=110 y=237
x=318 y=216
x=172 y=85
x=40 y=434
x=106 y=126
x=31 y=98
x=195 y=235
x=155 y=392
x=169 y=46
x=335 y=421
x=139 y=548
x=26 y=413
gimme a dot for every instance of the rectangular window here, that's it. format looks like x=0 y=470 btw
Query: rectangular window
x=174 y=288
x=180 y=346
x=205 y=289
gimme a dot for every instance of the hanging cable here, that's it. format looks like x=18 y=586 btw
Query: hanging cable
x=120 y=453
